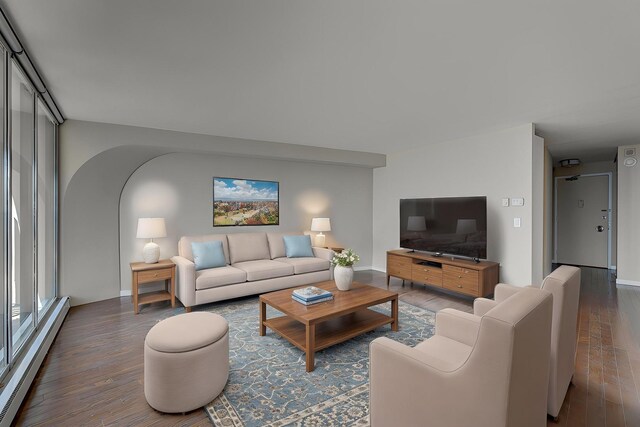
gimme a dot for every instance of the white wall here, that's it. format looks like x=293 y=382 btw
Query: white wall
x=628 y=220
x=81 y=141
x=547 y=256
x=89 y=258
x=496 y=165
x=178 y=187
x=96 y=160
x=537 y=209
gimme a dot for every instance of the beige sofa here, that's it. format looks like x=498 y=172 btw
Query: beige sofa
x=256 y=263
x=487 y=371
x=564 y=285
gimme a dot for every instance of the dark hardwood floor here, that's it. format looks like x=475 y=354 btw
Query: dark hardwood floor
x=93 y=374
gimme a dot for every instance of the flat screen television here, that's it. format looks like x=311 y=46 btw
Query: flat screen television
x=447 y=225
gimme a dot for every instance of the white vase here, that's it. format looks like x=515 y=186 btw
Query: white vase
x=343 y=277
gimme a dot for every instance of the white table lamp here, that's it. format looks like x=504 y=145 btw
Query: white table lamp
x=320 y=224
x=151 y=228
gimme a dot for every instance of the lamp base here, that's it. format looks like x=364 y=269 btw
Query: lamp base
x=320 y=240
x=151 y=253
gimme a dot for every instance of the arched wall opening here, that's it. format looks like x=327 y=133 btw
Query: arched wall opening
x=98 y=160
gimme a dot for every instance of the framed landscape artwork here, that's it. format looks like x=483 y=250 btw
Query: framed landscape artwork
x=245 y=202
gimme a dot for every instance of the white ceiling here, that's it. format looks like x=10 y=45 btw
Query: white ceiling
x=367 y=75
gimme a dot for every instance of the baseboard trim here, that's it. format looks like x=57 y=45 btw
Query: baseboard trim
x=611 y=267
x=125 y=293
x=369 y=267
x=627 y=282
x=24 y=371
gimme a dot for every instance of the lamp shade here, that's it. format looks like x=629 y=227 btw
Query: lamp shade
x=416 y=223
x=466 y=226
x=320 y=224
x=151 y=228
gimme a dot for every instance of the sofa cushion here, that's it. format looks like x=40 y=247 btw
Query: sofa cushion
x=276 y=243
x=452 y=354
x=298 y=246
x=248 y=247
x=306 y=265
x=184 y=245
x=208 y=254
x=264 y=269
x=221 y=276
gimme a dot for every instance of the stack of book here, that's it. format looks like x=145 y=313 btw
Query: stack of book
x=311 y=295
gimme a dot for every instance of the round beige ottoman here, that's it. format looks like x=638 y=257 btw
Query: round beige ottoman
x=186 y=361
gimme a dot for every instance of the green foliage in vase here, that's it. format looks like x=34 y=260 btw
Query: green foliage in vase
x=345 y=258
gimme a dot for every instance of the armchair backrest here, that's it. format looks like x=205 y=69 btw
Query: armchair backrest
x=564 y=285
x=497 y=379
x=518 y=334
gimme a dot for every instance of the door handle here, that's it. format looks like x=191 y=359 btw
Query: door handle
x=599 y=228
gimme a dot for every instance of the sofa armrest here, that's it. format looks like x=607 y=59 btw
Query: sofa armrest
x=323 y=253
x=326 y=254
x=482 y=305
x=186 y=283
x=504 y=291
x=458 y=326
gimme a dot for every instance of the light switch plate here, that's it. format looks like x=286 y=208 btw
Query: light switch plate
x=516 y=222
x=517 y=201
x=505 y=203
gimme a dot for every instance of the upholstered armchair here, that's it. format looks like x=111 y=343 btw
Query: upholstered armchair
x=480 y=371
x=564 y=285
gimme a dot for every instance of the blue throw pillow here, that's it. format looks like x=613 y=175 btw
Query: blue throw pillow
x=208 y=254
x=297 y=246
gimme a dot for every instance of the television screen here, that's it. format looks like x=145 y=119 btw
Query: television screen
x=449 y=225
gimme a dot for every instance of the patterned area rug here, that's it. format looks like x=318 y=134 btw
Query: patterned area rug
x=268 y=384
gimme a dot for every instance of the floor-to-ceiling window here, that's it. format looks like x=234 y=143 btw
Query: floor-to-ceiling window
x=22 y=208
x=46 y=148
x=3 y=227
x=29 y=227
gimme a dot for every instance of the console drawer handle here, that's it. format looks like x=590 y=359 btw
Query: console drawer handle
x=460 y=286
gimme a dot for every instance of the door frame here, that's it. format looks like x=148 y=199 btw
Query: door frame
x=609 y=176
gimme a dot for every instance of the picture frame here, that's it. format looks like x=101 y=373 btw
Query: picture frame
x=241 y=202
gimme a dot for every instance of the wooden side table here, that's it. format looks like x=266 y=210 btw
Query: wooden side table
x=143 y=273
x=335 y=249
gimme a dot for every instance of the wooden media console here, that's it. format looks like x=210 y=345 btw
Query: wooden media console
x=458 y=275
